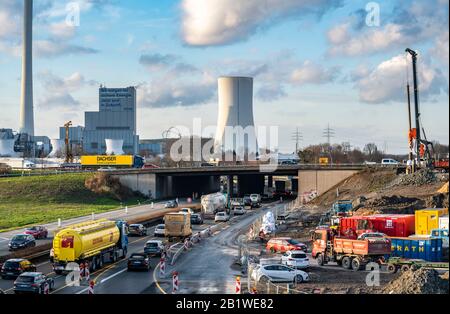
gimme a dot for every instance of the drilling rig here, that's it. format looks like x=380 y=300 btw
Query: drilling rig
x=423 y=147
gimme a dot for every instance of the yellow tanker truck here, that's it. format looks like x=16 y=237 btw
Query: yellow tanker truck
x=95 y=242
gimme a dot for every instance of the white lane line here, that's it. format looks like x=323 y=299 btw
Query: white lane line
x=104 y=280
x=42 y=264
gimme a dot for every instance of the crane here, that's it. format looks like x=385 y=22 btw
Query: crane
x=69 y=155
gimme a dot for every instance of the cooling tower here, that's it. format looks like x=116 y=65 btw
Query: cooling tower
x=26 y=102
x=7 y=148
x=57 y=148
x=114 y=147
x=236 y=132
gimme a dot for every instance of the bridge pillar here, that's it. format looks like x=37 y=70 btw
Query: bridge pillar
x=270 y=181
x=230 y=186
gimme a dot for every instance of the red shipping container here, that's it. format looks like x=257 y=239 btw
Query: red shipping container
x=391 y=225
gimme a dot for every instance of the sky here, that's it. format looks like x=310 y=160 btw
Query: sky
x=314 y=63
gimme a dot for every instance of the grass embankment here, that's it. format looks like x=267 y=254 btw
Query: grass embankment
x=43 y=199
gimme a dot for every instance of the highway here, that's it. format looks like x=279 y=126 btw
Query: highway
x=133 y=212
x=214 y=265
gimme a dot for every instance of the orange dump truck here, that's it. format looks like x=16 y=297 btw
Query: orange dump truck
x=348 y=253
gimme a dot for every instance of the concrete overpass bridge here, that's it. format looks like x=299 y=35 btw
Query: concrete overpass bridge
x=163 y=183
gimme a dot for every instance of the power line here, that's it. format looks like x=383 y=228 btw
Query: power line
x=329 y=133
x=297 y=137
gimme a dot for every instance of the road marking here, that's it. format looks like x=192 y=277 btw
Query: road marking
x=113 y=275
x=156 y=280
x=42 y=264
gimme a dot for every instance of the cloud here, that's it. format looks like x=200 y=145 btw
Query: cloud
x=157 y=61
x=311 y=73
x=221 y=22
x=409 y=24
x=441 y=48
x=386 y=83
x=58 y=91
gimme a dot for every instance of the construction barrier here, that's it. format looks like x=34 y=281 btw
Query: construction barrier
x=162 y=267
x=238 y=285
x=46 y=288
x=175 y=283
x=91 y=287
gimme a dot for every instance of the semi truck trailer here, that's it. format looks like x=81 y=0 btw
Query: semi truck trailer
x=95 y=242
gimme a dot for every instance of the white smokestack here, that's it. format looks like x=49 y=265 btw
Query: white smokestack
x=236 y=128
x=114 y=147
x=26 y=103
x=57 y=148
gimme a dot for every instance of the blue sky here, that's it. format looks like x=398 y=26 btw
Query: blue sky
x=315 y=62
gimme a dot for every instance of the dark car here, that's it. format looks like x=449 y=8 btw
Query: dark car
x=32 y=283
x=15 y=267
x=196 y=219
x=21 y=241
x=137 y=230
x=38 y=232
x=247 y=200
x=138 y=261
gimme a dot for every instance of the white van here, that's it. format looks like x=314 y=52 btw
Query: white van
x=391 y=162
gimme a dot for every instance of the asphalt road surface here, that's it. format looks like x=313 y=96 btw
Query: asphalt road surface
x=214 y=255
x=116 y=214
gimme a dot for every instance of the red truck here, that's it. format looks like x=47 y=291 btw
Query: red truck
x=391 y=225
x=348 y=253
x=441 y=164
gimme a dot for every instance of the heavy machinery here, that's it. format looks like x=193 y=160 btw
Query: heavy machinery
x=396 y=263
x=212 y=204
x=423 y=147
x=95 y=242
x=69 y=154
x=348 y=253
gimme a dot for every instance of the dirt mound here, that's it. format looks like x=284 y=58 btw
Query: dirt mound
x=104 y=184
x=421 y=281
x=438 y=201
x=421 y=177
x=391 y=205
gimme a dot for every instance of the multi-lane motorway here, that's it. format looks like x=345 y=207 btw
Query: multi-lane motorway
x=204 y=269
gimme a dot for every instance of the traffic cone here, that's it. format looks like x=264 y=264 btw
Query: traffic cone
x=162 y=267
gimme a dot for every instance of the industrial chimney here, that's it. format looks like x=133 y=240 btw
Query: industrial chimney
x=26 y=103
x=236 y=128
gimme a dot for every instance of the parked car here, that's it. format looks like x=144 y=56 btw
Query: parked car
x=196 y=219
x=279 y=273
x=222 y=216
x=138 y=261
x=154 y=247
x=295 y=259
x=137 y=230
x=187 y=211
x=32 y=282
x=160 y=230
x=239 y=210
x=21 y=241
x=171 y=204
x=38 y=232
x=14 y=267
x=369 y=235
x=282 y=218
x=283 y=245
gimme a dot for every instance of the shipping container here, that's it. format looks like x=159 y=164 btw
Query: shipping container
x=428 y=219
x=391 y=225
x=428 y=249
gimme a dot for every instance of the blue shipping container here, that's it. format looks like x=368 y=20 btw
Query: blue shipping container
x=428 y=249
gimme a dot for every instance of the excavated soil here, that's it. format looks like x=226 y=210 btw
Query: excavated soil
x=422 y=281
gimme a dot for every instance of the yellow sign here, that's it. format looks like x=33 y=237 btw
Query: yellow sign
x=107 y=160
x=323 y=161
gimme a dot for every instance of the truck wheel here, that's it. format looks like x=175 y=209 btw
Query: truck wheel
x=391 y=269
x=405 y=268
x=114 y=256
x=94 y=264
x=100 y=262
x=346 y=262
x=320 y=260
x=356 y=264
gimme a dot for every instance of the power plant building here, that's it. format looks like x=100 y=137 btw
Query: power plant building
x=115 y=120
